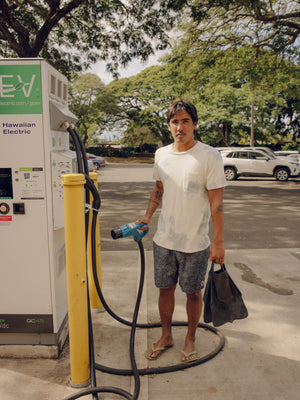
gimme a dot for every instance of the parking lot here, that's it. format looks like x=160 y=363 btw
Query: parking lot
x=260 y=360
x=259 y=212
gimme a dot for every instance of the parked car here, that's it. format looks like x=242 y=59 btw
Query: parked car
x=90 y=165
x=96 y=160
x=266 y=150
x=260 y=148
x=220 y=149
x=226 y=149
x=250 y=162
x=290 y=154
x=89 y=162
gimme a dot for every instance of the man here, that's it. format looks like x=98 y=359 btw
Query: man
x=189 y=184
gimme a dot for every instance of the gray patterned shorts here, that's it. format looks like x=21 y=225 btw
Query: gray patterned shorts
x=171 y=266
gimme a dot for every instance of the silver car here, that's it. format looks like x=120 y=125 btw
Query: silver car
x=98 y=161
x=257 y=163
x=289 y=154
x=89 y=162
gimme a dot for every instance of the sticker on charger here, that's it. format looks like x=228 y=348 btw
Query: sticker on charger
x=31 y=181
x=5 y=218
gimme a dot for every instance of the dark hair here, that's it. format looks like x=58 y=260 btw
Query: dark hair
x=182 y=105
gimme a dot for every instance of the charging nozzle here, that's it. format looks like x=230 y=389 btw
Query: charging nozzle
x=131 y=229
x=116 y=233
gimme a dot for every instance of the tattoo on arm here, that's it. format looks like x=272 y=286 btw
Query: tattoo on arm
x=158 y=195
x=155 y=200
x=220 y=208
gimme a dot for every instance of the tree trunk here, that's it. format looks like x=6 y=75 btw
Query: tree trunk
x=252 y=124
x=226 y=132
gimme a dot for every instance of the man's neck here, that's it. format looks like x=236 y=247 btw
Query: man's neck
x=181 y=147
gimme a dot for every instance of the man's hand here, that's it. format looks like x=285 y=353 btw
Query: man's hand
x=217 y=253
x=145 y=219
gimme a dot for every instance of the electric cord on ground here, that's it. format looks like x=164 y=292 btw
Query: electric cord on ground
x=146 y=371
x=157 y=370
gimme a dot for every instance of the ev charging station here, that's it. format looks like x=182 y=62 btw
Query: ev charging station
x=34 y=154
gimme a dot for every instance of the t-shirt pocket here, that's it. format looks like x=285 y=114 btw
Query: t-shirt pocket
x=192 y=182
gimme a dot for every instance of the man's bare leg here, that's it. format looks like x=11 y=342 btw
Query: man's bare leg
x=166 y=303
x=193 y=308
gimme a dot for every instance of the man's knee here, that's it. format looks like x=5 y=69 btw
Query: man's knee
x=167 y=291
x=197 y=296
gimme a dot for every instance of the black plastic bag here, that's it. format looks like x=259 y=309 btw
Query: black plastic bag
x=222 y=299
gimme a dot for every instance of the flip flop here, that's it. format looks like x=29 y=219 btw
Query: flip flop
x=161 y=349
x=187 y=355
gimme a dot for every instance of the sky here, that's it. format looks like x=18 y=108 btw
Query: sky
x=132 y=69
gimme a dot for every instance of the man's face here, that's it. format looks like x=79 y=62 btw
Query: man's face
x=182 y=128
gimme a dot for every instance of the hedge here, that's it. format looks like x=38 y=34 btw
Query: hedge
x=105 y=150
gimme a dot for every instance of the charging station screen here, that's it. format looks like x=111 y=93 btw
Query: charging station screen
x=6 y=190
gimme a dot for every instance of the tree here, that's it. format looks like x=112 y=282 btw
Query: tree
x=287 y=119
x=72 y=34
x=272 y=24
x=228 y=82
x=83 y=91
x=138 y=137
x=221 y=87
x=141 y=101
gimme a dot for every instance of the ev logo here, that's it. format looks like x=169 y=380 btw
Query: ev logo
x=8 y=89
x=20 y=89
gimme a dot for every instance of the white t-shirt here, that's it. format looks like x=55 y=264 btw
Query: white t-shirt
x=183 y=223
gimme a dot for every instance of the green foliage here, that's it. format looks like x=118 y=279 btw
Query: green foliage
x=138 y=136
x=223 y=89
x=109 y=151
x=72 y=34
x=124 y=152
x=260 y=24
x=83 y=90
x=226 y=61
x=225 y=83
x=141 y=101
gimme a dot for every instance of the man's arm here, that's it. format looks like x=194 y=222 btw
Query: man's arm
x=154 y=202
x=217 y=251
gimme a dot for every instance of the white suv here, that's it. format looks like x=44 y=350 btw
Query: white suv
x=250 y=162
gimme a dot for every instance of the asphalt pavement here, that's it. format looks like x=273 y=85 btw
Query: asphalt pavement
x=261 y=356
x=259 y=213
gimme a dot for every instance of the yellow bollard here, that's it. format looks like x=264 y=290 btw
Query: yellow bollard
x=74 y=207
x=95 y=302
